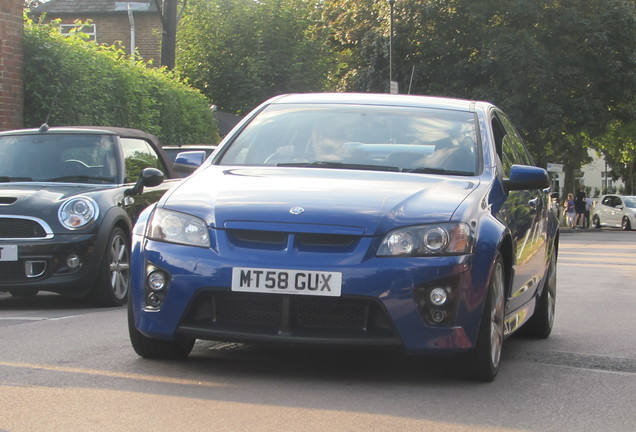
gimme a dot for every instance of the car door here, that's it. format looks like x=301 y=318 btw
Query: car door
x=525 y=213
x=617 y=211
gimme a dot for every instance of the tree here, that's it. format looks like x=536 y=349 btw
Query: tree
x=241 y=52
x=69 y=81
x=618 y=145
x=562 y=70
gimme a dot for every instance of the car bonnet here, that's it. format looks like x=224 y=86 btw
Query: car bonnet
x=371 y=201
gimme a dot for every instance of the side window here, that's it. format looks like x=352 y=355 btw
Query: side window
x=513 y=151
x=138 y=154
x=515 y=141
x=502 y=143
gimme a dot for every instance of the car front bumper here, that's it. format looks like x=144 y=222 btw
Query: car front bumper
x=383 y=301
x=64 y=263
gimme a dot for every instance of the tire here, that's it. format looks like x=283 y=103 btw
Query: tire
x=540 y=323
x=596 y=221
x=114 y=274
x=482 y=363
x=626 y=224
x=152 y=348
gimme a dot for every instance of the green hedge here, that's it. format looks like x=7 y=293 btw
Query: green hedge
x=74 y=82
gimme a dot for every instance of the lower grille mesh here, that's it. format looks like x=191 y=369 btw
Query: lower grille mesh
x=295 y=315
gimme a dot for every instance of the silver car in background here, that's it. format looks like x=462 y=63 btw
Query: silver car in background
x=615 y=211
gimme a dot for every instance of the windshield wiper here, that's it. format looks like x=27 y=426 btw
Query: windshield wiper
x=426 y=170
x=80 y=178
x=7 y=179
x=339 y=165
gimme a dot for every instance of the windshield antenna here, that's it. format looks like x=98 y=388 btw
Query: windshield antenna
x=45 y=126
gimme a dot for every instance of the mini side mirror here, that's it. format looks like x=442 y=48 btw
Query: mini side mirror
x=148 y=177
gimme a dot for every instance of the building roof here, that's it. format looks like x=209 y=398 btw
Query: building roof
x=62 y=7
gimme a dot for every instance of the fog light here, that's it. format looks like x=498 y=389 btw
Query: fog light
x=438 y=315
x=156 y=281
x=438 y=296
x=73 y=261
x=154 y=299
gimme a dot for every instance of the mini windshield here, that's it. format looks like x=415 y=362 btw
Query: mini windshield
x=419 y=140
x=75 y=158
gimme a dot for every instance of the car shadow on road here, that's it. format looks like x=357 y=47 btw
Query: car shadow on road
x=41 y=301
x=350 y=365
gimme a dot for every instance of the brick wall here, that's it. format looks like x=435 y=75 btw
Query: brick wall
x=114 y=27
x=11 y=64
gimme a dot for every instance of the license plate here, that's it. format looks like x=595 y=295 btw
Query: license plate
x=8 y=253
x=279 y=281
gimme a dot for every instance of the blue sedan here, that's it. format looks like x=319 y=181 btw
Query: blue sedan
x=405 y=222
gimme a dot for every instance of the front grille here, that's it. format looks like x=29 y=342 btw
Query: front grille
x=240 y=310
x=326 y=240
x=295 y=316
x=23 y=270
x=18 y=228
x=12 y=271
x=278 y=240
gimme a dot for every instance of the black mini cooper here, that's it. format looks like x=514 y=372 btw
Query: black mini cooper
x=68 y=200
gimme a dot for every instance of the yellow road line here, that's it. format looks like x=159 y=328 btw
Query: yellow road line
x=111 y=374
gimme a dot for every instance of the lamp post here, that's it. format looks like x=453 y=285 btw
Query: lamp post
x=391 y=4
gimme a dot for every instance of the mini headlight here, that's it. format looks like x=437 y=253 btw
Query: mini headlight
x=174 y=227
x=78 y=212
x=425 y=240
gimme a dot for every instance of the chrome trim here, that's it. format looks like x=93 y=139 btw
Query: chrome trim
x=29 y=270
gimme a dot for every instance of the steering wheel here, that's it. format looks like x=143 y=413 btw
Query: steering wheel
x=74 y=166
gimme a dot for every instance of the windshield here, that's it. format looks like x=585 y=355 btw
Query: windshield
x=73 y=158
x=630 y=202
x=359 y=137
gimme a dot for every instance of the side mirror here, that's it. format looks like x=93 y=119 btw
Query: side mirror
x=523 y=177
x=188 y=161
x=148 y=177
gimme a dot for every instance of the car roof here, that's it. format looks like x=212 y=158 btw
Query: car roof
x=101 y=130
x=415 y=101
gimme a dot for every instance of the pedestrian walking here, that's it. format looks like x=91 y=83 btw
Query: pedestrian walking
x=579 y=209
x=568 y=211
x=588 y=208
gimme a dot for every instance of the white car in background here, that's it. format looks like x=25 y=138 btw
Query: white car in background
x=615 y=211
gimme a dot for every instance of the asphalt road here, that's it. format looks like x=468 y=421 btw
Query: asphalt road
x=65 y=366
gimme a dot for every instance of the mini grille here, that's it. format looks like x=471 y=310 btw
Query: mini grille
x=12 y=271
x=20 y=228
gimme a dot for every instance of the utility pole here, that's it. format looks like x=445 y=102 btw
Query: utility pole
x=393 y=86
x=169 y=34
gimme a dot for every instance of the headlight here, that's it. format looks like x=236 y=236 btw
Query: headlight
x=427 y=240
x=78 y=212
x=174 y=227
